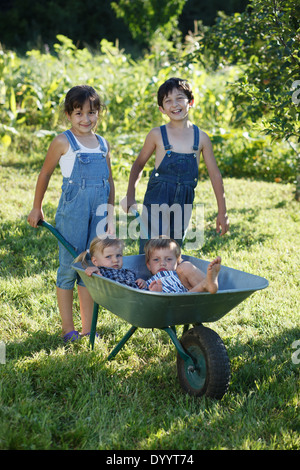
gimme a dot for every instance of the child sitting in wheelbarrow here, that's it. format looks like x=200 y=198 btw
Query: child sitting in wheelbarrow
x=107 y=257
x=172 y=274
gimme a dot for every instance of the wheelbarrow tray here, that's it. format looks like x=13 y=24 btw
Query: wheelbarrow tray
x=146 y=309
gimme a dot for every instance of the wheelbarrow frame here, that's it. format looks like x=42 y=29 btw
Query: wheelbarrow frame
x=144 y=309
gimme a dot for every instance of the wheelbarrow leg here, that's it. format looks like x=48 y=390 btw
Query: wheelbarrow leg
x=94 y=324
x=122 y=342
x=185 y=328
x=177 y=344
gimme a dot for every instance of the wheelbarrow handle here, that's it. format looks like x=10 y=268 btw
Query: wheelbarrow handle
x=59 y=237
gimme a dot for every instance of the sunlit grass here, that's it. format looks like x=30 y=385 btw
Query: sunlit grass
x=69 y=397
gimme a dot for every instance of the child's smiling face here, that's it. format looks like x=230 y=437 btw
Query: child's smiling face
x=162 y=259
x=83 y=120
x=176 y=104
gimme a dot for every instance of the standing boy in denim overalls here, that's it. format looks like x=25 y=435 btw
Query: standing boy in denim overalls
x=177 y=148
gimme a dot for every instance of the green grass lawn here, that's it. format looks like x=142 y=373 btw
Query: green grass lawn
x=69 y=397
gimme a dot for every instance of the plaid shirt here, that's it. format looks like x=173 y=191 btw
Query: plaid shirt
x=123 y=276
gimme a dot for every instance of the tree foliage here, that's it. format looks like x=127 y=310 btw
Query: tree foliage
x=25 y=24
x=264 y=42
x=33 y=87
x=145 y=17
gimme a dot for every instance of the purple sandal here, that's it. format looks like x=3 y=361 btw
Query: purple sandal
x=71 y=336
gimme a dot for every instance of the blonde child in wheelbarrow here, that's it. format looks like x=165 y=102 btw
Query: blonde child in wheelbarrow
x=172 y=274
x=106 y=254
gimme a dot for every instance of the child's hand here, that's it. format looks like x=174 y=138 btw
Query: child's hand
x=222 y=224
x=92 y=269
x=34 y=216
x=156 y=286
x=141 y=283
x=127 y=203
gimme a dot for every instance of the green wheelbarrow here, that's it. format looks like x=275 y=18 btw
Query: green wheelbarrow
x=203 y=365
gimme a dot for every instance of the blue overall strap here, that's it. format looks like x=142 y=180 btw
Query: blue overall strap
x=166 y=140
x=196 y=137
x=72 y=140
x=103 y=146
x=164 y=135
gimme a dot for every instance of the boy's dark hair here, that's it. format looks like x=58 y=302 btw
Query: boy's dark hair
x=78 y=95
x=168 y=86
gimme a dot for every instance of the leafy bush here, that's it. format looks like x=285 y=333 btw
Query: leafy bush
x=264 y=43
x=33 y=87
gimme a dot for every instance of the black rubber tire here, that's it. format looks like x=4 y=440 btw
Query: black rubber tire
x=211 y=374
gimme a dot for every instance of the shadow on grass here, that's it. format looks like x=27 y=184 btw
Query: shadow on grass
x=35 y=342
x=87 y=400
x=25 y=248
x=252 y=363
x=240 y=234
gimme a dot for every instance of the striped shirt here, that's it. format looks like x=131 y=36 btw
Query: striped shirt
x=170 y=281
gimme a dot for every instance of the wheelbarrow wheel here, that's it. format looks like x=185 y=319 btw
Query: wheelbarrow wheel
x=208 y=373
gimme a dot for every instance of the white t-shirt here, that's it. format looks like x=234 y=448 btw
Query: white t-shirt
x=66 y=161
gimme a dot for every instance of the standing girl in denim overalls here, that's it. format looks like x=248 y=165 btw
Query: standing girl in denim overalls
x=177 y=148
x=85 y=208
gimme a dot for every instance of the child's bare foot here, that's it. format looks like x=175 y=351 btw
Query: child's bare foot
x=212 y=275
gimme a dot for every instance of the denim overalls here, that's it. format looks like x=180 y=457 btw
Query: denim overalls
x=82 y=205
x=172 y=184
